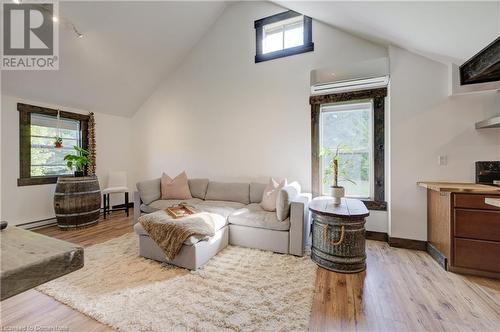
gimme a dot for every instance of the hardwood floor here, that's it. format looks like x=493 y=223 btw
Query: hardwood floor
x=402 y=290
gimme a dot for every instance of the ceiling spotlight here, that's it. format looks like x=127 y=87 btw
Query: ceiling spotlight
x=16 y=1
x=55 y=19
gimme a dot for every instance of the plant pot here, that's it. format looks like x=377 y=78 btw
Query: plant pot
x=58 y=145
x=337 y=194
x=78 y=174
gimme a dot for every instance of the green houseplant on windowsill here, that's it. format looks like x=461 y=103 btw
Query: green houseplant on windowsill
x=334 y=171
x=79 y=162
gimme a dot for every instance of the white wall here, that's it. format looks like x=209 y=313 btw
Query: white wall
x=33 y=203
x=222 y=116
x=424 y=124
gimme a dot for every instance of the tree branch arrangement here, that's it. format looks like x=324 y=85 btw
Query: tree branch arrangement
x=333 y=170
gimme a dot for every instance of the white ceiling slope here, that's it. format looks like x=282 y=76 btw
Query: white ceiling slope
x=441 y=30
x=127 y=50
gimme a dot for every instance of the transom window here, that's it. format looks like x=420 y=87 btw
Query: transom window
x=46 y=136
x=348 y=129
x=283 y=35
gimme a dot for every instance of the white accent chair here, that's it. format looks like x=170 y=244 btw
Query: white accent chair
x=117 y=184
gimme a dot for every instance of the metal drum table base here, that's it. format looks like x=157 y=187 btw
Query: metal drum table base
x=338 y=234
x=340 y=264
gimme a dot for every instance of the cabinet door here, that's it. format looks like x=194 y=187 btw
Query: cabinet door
x=477 y=254
x=477 y=224
x=474 y=201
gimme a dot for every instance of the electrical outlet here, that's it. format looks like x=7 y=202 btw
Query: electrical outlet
x=442 y=160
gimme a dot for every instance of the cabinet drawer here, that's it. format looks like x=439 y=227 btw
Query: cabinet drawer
x=477 y=254
x=473 y=201
x=477 y=224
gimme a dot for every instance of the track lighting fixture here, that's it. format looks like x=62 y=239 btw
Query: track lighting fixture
x=77 y=33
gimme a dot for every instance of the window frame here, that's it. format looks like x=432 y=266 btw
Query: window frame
x=25 y=111
x=307 y=46
x=378 y=98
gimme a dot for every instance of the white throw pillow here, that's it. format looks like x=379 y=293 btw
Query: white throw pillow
x=271 y=194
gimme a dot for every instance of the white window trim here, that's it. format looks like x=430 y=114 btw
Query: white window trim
x=64 y=124
x=347 y=106
x=281 y=26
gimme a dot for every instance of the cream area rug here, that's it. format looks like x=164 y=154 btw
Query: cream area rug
x=240 y=289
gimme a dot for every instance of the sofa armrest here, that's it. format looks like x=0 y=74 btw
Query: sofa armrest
x=137 y=206
x=300 y=224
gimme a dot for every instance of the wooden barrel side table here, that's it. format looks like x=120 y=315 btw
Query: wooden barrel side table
x=77 y=202
x=338 y=235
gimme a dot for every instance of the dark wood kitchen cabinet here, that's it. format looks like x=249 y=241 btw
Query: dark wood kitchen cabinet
x=463 y=231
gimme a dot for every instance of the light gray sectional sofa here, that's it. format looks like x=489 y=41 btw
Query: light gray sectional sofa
x=245 y=223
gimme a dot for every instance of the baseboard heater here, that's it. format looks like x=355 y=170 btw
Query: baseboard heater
x=38 y=224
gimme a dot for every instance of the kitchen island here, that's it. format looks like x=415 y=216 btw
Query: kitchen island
x=463 y=228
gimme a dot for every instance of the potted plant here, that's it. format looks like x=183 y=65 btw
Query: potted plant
x=58 y=142
x=80 y=161
x=333 y=171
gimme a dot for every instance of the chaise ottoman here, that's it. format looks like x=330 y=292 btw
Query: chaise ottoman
x=194 y=252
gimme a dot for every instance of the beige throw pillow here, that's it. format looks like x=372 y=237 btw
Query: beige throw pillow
x=270 y=194
x=177 y=188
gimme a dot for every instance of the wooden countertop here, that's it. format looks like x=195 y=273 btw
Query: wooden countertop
x=457 y=187
x=30 y=259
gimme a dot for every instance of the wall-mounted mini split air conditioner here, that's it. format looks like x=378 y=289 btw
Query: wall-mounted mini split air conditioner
x=350 y=85
x=350 y=77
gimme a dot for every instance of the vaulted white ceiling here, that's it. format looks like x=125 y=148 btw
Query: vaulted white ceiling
x=445 y=31
x=128 y=48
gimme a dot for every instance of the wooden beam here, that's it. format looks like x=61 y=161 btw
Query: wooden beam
x=482 y=67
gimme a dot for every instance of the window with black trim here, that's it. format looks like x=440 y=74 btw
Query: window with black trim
x=353 y=123
x=282 y=35
x=46 y=136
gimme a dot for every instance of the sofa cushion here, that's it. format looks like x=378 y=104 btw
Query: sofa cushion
x=232 y=192
x=253 y=215
x=147 y=209
x=150 y=190
x=223 y=208
x=162 y=204
x=256 y=192
x=285 y=197
x=218 y=208
x=198 y=187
